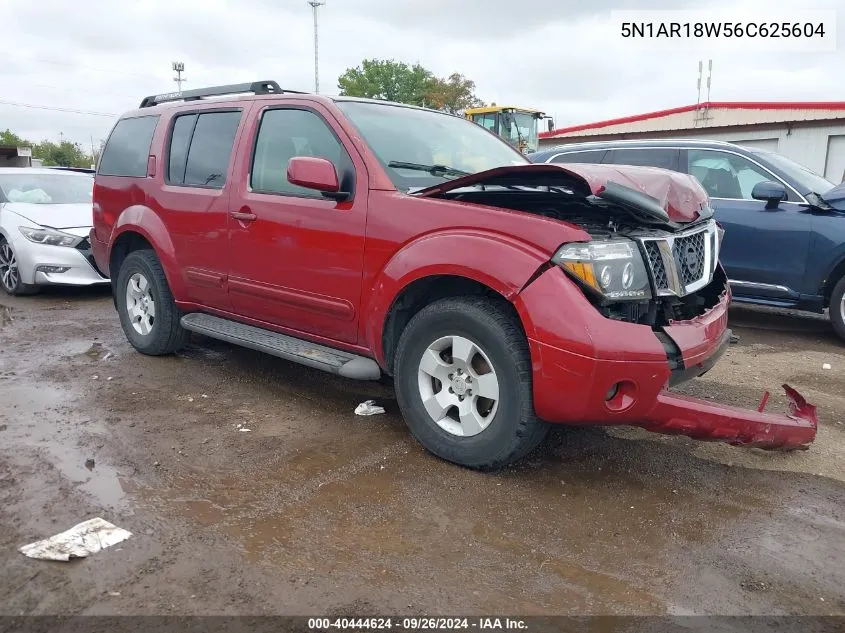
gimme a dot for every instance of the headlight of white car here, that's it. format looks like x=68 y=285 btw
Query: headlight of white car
x=50 y=237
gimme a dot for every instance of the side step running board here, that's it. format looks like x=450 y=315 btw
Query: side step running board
x=303 y=352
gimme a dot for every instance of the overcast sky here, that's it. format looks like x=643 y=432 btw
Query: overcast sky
x=557 y=55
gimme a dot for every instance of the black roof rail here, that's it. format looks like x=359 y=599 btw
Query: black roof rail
x=256 y=87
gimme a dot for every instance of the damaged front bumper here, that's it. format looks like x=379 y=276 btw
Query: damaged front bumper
x=676 y=414
x=619 y=373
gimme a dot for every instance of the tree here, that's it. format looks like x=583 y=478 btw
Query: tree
x=7 y=137
x=387 y=79
x=63 y=154
x=454 y=94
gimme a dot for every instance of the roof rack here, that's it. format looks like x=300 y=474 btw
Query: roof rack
x=256 y=87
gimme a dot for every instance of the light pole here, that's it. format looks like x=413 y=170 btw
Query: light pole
x=179 y=68
x=314 y=4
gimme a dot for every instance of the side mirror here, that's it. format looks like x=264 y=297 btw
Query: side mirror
x=771 y=192
x=315 y=173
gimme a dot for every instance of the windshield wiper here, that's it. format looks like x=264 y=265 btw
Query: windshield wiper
x=434 y=170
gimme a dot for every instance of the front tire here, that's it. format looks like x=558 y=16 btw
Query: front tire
x=10 y=274
x=148 y=314
x=837 y=308
x=464 y=385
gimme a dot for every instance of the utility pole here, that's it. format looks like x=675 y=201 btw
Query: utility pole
x=314 y=4
x=179 y=68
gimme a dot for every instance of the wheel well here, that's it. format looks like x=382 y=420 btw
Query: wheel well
x=832 y=280
x=124 y=245
x=421 y=293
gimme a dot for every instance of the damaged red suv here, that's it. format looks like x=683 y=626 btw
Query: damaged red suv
x=373 y=239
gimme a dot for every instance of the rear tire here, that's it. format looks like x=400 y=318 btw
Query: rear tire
x=10 y=274
x=148 y=314
x=485 y=350
x=837 y=308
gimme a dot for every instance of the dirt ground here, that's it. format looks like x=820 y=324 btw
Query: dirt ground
x=317 y=510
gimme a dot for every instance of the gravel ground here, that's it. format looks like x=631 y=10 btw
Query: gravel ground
x=316 y=510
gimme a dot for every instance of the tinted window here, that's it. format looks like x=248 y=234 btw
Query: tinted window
x=183 y=128
x=211 y=148
x=665 y=158
x=287 y=133
x=128 y=148
x=591 y=156
x=726 y=175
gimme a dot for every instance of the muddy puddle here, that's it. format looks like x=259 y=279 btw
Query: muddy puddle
x=43 y=420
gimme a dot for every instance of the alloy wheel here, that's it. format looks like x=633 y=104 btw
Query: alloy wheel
x=458 y=385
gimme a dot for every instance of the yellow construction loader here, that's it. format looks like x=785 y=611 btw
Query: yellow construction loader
x=518 y=126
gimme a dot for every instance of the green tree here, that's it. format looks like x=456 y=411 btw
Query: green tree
x=64 y=154
x=7 y=137
x=453 y=94
x=387 y=79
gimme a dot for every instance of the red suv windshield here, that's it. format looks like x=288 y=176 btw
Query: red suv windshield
x=423 y=137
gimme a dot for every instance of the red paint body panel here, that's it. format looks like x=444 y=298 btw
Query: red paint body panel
x=330 y=271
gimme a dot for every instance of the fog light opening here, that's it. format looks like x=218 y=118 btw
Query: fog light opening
x=52 y=269
x=621 y=396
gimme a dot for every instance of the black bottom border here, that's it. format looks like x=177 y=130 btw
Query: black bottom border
x=516 y=624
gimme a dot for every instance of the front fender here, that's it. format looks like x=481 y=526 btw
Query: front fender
x=147 y=223
x=499 y=261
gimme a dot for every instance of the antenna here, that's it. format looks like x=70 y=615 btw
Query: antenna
x=698 y=98
x=179 y=68
x=709 y=77
x=314 y=4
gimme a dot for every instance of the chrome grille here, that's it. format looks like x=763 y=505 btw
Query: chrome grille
x=684 y=262
x=655 y=264
x=688 y=253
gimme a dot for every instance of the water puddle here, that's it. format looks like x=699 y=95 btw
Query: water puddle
x=41 y=417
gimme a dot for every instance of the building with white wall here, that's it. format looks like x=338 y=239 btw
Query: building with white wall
x=14 y=156
x=810 y=133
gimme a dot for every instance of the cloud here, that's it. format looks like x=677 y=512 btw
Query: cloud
x=561 y=56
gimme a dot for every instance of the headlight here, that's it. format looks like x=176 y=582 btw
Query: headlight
x=50 y=237
x=613 y=269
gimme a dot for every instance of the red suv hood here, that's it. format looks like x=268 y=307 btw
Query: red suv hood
x=680 y=195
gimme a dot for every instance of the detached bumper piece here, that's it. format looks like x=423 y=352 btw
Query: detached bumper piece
x=675 y=414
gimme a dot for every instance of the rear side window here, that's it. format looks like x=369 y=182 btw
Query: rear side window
x=646 y=157
x=128 y=148
x=201 y=147
x=590 y=156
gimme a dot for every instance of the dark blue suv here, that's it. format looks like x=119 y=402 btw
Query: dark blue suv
x=784 y=241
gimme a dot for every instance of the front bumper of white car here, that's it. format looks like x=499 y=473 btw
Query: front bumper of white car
x=41 y=264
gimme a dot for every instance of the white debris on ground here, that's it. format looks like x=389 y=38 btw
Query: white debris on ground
x=88 y=537
x=368 y=407
x=826 y=366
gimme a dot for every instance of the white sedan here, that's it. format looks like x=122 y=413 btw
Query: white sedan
x=45 y=221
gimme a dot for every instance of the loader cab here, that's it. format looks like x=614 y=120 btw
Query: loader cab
x=517 y=126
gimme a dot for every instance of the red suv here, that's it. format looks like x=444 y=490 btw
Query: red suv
x=371 y=239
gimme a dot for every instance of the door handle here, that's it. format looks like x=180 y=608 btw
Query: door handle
x=244 y=215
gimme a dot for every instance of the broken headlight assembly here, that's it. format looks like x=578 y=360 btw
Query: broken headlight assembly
x=613 y=270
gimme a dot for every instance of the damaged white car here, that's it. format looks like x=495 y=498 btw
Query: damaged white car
x=45 y=219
